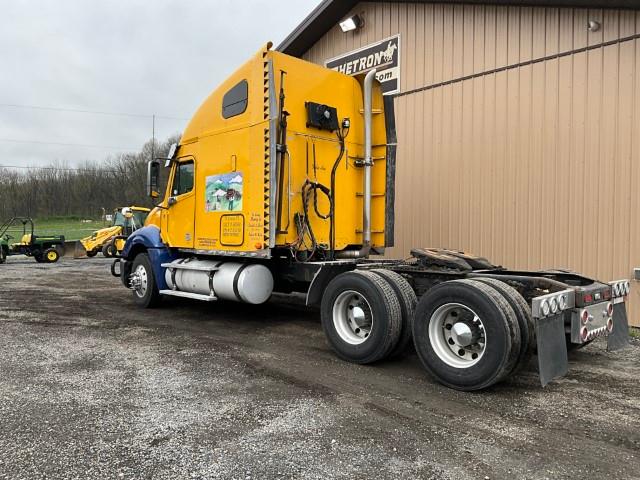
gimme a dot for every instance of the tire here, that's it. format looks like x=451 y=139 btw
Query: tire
x=92 y=253
x=378 y=313
x=39 y=257
x=112 y=250
x=147 y=295
x=106 y=252
x=486 y=315
x=50 y=255
x=523 y=314
x=3 y=255
x=408 y=302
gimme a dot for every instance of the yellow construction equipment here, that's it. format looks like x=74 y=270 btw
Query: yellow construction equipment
x=111 y=240
x=283 y=181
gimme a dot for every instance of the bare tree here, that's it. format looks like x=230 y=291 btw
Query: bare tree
x=58 y=190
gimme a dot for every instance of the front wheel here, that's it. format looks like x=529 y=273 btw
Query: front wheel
x=109 y=250
x=143 y=283
x=3 y=255
x=466 y=335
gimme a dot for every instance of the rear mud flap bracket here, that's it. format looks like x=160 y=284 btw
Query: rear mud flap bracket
x=552 y=348
x=619 y=337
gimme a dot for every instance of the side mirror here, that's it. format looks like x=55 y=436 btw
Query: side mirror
x=172 y=201
x=153 y=177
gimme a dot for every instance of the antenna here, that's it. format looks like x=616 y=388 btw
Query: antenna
x=153 y=136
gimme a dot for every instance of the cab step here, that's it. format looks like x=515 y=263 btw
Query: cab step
x=193 y=296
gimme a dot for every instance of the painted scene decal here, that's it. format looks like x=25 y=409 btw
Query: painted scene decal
x=223 y=193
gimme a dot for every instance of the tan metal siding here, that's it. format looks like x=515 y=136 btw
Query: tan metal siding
x=533 y=167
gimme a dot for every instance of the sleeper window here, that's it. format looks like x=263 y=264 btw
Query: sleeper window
x=235 y=101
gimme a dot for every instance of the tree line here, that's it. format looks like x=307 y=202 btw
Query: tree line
x=87 y=190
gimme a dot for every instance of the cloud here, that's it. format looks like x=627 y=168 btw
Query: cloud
x=131 y=56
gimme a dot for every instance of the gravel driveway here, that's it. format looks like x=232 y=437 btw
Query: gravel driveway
x=92 y=387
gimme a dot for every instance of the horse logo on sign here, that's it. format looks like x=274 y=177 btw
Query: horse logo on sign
x=388 y=53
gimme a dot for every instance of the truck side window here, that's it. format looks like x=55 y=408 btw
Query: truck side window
x=183 y=181
x=235 y=101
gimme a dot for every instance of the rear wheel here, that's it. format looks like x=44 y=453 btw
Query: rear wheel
x=523 y=314
x=51 y=255
x=466 y=334
x=408 y=302
x=143 y=283
x=361 y=317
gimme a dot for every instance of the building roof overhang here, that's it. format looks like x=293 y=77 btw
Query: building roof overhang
x=326 y=15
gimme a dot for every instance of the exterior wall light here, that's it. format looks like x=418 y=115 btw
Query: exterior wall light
x=351 y=23
x=594 y=26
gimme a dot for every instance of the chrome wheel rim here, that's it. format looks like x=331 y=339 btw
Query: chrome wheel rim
x=139 y=281
x=457 y=335
x=352 y=317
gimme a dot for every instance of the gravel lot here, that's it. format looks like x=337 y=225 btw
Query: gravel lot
x=92 y=387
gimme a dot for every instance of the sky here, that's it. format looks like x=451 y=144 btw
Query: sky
x=131 y=57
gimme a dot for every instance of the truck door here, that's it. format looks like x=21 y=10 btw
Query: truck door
x=178 y=218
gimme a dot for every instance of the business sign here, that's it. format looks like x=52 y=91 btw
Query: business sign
x=384 y=56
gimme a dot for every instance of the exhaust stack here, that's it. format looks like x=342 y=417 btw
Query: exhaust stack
x=368 y=159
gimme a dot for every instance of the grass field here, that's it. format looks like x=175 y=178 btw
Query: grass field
x=72 y=228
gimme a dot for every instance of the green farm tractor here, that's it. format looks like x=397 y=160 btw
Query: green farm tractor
x=45 y=249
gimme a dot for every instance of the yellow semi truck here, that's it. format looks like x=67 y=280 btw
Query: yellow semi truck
x=283 y=181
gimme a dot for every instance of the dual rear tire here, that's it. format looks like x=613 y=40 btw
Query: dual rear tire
x=468 y=334
x=366 y=315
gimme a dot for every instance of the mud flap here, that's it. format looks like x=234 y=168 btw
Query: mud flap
x=552 y=348
x=619 y=337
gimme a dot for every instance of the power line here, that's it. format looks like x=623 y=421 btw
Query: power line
x=87 y=111
x=37 y=142
x=62 y=169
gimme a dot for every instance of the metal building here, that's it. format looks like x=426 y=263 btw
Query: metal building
x=518 y=123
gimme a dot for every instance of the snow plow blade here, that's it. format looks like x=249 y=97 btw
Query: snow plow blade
x=79 y=250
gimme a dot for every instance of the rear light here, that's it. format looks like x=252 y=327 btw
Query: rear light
x=587 y=298
x=544 y=306
x=607 y=294
x=562 y=302
x=584 y=317
x=610 y=309
x=584 y=334
x=610 y=325
x=554 y=305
